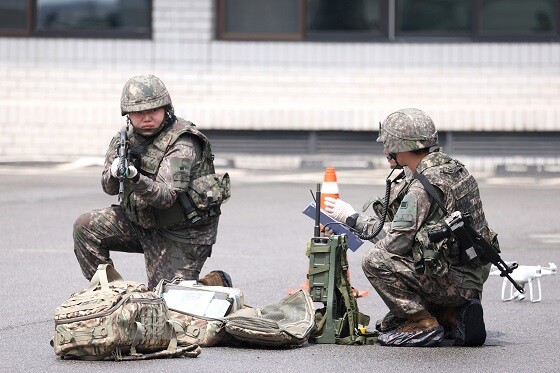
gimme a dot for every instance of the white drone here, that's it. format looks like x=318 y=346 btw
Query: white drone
x=524 y=275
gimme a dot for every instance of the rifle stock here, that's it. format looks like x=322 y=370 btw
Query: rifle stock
x=489 y=253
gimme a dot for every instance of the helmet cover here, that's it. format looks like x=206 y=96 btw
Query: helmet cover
x=144 y=92
x=407 y=130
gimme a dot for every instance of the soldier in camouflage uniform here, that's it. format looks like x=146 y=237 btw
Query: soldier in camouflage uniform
x=429 y=292
x=167 y=154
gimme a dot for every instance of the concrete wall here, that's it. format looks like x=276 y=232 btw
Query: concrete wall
x=61 y=96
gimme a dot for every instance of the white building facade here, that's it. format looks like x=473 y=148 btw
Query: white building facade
x=60 y=95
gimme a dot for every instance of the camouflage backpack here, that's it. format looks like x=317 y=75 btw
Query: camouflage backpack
x=199 y=310
x=114 y=319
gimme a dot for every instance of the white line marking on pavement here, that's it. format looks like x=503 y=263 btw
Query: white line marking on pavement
x=549 y=238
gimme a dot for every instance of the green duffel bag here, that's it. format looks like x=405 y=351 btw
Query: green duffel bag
x=287 y=323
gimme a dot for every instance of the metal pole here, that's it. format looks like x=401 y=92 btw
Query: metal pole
x=391 y=21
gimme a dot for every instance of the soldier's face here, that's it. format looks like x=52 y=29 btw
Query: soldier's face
x=147 y=122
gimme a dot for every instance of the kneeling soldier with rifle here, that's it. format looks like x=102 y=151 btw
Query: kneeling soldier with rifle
x=430 y=266
x=154 y=164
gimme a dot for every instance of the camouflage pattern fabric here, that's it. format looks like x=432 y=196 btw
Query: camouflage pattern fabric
x=98 y=232
x=218 y=185
x=168 y=166
x=195 y=329
x=404 y=291
x=134 y=227
x=199 y=330
x=114 y=320
x=144 y=92
x=287 y=323
x=390 y=265
x=406 y=130
x=368 y=223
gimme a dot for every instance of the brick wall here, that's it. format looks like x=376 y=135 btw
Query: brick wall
x=61 y=96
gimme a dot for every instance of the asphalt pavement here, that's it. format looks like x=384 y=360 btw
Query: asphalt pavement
x=261 y=243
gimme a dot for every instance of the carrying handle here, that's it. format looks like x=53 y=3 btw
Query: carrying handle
x=105 y=273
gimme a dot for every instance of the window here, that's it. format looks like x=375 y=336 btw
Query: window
x=434 y=17
x=298 y=19
x=77 y=18
x=343 y=19
x=389 y=20
x=519 y=17
x=14 y=17
x=263 y=19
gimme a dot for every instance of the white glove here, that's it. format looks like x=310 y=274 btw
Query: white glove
x=132 y=171
x=115 y=168
x=338 y=209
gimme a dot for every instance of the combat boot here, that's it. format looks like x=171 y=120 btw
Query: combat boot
x=217 y=278
x=388 y=322
x=447 y=317
x=469 y=327
x=420 y=330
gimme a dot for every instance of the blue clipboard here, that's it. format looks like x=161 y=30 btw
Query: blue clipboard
x=354 y=242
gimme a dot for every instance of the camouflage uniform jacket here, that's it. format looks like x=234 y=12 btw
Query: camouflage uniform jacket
x=176 y=156
x=367 y=224
x=416 y=215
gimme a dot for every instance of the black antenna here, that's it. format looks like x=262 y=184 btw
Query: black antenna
x=318 y=211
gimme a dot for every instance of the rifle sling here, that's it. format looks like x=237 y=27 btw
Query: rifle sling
x=188 y=207
x=431 y=191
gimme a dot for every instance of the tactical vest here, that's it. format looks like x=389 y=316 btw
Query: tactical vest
x=451 y=177
x=151 y=157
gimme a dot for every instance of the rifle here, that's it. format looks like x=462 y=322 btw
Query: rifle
x=122 y=152
x=474 y=249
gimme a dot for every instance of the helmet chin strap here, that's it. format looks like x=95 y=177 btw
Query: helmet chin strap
x=393 y=156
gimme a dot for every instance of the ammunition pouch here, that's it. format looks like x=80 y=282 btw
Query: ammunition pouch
x=430 y=250
x=442 y=250
x=377 y=204
x=201 y=203
x=431 y=260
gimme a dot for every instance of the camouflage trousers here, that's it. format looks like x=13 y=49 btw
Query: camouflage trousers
x=406 y=292
x=98 y=232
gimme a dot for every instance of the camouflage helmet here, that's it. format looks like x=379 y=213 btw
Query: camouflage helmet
x=406 y=130
x=144 y=92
